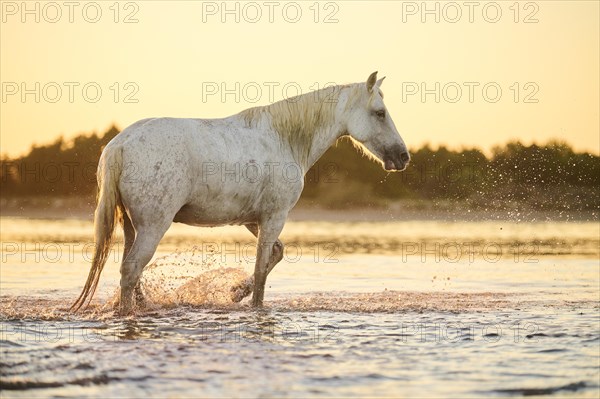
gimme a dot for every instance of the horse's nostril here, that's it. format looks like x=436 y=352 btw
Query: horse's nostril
x=405 y=157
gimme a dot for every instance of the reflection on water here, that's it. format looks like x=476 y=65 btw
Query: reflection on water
x=409 y=309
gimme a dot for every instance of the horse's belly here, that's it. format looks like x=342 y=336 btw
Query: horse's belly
x=210 y=216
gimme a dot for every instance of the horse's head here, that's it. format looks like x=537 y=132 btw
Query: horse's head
x=370 y=124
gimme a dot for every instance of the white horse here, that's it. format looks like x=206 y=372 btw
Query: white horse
x=247 y=169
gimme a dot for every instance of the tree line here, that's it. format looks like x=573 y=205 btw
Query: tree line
x=549 y=176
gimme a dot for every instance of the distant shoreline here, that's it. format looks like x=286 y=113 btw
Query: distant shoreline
x=82 y=208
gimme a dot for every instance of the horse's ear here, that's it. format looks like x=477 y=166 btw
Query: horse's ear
x=379 y=82
x=371 y=81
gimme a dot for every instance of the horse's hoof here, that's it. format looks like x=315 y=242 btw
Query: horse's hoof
x=257 y=304
x=125 y=308
x=125 y=311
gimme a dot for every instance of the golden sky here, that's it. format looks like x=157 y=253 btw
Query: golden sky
x=175 y=59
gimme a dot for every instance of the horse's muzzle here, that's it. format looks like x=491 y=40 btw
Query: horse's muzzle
x=396 y=159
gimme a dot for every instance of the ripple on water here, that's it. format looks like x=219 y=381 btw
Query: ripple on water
x=193 y=337
x=572 y=387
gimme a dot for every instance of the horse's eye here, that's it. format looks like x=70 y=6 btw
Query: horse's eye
x=380 y=113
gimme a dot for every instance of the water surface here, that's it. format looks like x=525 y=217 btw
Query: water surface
x=387 y=309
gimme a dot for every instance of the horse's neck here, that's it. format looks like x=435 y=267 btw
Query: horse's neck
x=326 y=136
x=323 y=139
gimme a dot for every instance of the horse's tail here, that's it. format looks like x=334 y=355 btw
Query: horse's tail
x=105 y=218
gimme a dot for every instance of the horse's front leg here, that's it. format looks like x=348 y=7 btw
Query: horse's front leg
x=268 y=234
x=276 y=254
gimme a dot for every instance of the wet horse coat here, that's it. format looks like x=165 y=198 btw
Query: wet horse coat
x=247 y=169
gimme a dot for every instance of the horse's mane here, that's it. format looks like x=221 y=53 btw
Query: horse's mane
x=298 y=118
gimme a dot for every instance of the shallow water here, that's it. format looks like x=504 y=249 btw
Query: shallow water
x=411 y=309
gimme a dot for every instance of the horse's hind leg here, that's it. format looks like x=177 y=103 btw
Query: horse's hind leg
x=129 y=238
x=128 y=232
x=142 y=250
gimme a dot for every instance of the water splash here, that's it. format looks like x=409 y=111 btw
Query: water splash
x=192 y=278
